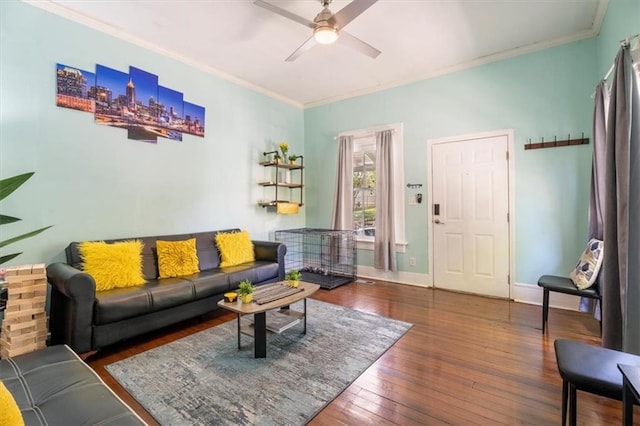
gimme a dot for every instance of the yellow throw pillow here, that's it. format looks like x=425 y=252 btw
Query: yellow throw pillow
x=177 y=258
x=235 y=248
x=113 y=264
x=10 y=414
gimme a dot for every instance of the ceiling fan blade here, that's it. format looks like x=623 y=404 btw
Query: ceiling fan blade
x=351 y=11
x=285 y=13
x=355 y=43
x=300 y=50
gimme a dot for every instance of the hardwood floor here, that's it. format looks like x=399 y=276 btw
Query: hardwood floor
x=467 y=360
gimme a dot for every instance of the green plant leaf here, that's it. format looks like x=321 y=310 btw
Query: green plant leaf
x=23 y=236
x=8 y=219
x=8 y=257
x=8 y=185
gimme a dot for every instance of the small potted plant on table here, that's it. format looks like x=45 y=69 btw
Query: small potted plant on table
x=293 y=277
x=245 y=290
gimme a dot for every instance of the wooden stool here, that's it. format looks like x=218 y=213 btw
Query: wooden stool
x=589 y=368
x=566 y=286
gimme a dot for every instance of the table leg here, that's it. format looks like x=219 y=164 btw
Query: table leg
x=239 y=332
x=260 y=334
x=304 y=331
x=627 y=403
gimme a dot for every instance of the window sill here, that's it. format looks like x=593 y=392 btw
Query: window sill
x=367 y=244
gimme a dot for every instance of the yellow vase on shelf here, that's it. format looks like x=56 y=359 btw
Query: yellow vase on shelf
x=247 y=298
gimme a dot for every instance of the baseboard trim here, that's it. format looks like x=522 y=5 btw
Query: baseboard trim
x=532 y=294
x=520 y=292
x=399 y=277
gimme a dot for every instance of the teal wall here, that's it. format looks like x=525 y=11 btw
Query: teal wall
x=92 y=182
x=538 y=95
x=543 y=94
x=622 y=20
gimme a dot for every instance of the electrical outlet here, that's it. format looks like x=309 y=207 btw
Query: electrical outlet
x=412 y=261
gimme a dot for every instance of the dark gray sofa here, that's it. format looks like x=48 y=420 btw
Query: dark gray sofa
x=52 y=386
x=87 y=320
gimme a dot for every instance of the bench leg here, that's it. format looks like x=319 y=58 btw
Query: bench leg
x=545 y=308
x=600 y=306
x=572 y=404
x=565 y=395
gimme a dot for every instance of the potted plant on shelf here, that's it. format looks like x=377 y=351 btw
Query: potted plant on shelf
x=292 y=159
x=276 y=158
x=245 y=290
x=293 y=277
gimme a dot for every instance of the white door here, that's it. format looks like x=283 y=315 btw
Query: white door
x=470 y=190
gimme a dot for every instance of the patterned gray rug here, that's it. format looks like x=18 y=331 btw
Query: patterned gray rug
x=203 y=379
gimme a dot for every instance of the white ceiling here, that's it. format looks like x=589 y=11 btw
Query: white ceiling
x=418 y=38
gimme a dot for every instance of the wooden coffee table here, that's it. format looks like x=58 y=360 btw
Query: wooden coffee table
x=259 y=328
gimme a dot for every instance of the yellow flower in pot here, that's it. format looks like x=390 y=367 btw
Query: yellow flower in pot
x=245 y=291
x=293 y=277
x=284 y=147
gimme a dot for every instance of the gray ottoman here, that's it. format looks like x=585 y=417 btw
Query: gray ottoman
x=53 y=386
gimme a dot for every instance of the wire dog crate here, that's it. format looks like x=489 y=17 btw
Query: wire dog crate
x=326 y=257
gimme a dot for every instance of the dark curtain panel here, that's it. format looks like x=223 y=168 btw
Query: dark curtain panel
x=596 y=199
x=621 y=265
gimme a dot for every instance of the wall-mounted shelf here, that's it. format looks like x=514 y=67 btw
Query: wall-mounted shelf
x=281 y=165
x=285 y=185
x=275 y=203
x=280 y=195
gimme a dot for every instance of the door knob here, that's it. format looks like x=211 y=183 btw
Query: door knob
x=437 y=221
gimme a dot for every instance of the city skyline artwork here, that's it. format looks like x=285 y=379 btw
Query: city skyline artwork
x=133 y=101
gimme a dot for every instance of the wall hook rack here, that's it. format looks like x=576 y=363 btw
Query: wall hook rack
x=556 y=143
x=414 y=185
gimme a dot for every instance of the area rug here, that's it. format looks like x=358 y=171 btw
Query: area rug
x=204 y=378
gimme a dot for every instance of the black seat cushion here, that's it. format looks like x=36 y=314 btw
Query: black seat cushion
x=257 y=271
x=129 y=302
x=209 y=283
x=592 y=369
x=565 y=285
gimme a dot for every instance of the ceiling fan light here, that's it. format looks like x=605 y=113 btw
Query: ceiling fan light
x=325 y=35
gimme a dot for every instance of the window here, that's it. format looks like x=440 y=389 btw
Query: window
x=364 y=185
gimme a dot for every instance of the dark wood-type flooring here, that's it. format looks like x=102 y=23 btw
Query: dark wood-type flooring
x=467 y=360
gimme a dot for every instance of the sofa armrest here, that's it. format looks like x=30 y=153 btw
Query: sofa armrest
x=73 y=295
x=271 y=250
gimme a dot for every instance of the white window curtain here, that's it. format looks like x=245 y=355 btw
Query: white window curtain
x=342 y=217
x=385 y=239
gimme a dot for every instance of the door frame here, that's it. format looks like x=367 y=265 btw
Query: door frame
x=511 y=195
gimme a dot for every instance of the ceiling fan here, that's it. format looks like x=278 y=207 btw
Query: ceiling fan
x=327 y=26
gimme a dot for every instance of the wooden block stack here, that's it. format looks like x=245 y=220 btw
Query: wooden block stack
x=24 y=328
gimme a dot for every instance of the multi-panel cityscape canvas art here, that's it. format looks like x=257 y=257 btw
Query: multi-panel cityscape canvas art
x=133 y=101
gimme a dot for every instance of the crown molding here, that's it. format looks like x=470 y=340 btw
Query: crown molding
x=460 y=67
x=98 y=25
x=64 y=12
